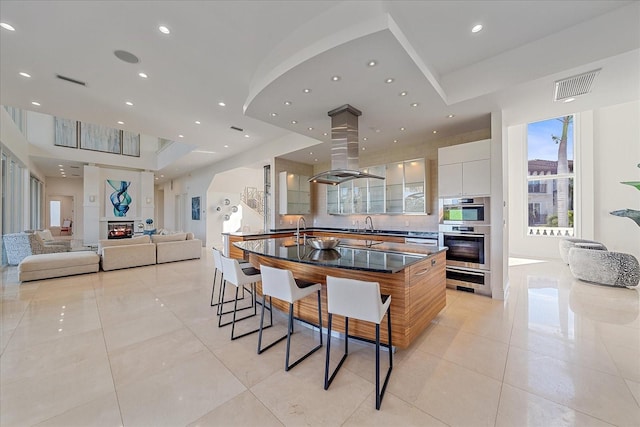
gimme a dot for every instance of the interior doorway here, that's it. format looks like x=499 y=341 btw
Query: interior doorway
x=58 y=210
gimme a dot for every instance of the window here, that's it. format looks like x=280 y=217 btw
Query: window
x=550 y=178
x=54 y=213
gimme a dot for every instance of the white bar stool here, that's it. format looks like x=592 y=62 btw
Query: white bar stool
x=359 y=300
x=239 y=277
x=217 y=260
x=281 y=284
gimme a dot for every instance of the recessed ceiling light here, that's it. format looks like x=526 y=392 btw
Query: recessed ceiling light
x=287 y=103
x=569 y=100
x=395 y=140
x=36 y=103
x=120 y=122
x=315 y=160
x=450 y=116
x=364 y=148
x=246 y=135
x=156 y=178
x=59 y=166
x=161 y=176
x=310 y=128
x=62 y=169
x=335 y=78
x=197 y=122
x=143 y=75
x=222 y=104
x=226 y=146
x=476 y=28
x=402 y=128
x=311 y=153
x=164 y=30
x=274 y=114
x=403 y=93
x=7 y=26
x=306 y=90
x=129 y=103
x=23 y=74
x=364 y=139
x=377 y=130
x=415 y=104
x=325 y=134
x=181 y=136
x=372 y=63
x=293 y=122
x=435 y=131
x=389 y=80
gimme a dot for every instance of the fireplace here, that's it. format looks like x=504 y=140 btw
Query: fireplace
x=119 y=229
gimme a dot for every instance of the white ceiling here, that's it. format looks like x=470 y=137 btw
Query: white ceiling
x=254 y=55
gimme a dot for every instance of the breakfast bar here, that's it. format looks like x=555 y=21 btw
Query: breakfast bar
x=414 y=277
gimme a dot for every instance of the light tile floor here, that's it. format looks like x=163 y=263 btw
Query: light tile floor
x=141 y=347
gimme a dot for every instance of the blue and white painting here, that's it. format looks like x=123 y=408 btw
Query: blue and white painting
x=118 y=197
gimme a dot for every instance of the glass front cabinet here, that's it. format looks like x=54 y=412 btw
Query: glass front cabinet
x=402 y=191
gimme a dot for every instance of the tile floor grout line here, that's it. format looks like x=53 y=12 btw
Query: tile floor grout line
x=106 y=349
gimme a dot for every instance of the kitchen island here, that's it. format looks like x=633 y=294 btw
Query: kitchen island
x=413 y=275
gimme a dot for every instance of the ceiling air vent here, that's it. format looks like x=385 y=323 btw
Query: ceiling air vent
x=575 y=85
x=70 y=80
x=237 y=128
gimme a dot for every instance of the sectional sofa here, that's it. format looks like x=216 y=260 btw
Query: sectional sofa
x=146 y=250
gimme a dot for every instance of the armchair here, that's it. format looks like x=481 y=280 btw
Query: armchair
x=20 y=245
x=66 y=227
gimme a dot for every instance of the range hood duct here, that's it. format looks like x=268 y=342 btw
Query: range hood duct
x=344 y=148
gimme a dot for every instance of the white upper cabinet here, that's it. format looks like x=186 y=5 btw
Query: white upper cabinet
x=465 y=169
x=295 y=194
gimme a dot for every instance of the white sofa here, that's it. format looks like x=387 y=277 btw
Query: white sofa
x=125 y=253
x=176 y=247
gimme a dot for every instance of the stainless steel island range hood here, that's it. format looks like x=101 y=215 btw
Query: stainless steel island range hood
x=344 y=148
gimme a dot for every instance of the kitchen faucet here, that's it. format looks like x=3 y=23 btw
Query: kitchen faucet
x=301 y=219
x=368 y=220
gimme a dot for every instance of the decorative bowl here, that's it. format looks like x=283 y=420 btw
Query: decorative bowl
x=323 y=242
x=324 y=255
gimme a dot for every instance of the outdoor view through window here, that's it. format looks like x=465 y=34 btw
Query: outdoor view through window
x=550 y=177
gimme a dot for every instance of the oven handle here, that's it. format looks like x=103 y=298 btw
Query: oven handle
x=462 y=234
x=471 y=273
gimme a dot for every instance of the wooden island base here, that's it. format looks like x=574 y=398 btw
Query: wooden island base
x=417 y=296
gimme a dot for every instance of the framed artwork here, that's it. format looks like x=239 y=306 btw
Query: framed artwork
x=119 y=202
x=100 y=138
x=195 y=208
x=130 y=143
x=66 y=132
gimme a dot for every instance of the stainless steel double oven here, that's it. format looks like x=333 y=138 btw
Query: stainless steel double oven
x=465 y=230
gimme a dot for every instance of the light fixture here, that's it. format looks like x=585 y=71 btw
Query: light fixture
x=120 y=122
x=197 y=122
x=364 y=139
x=372 y=63
x=23 y=74
x=287 y=103
x=415 y=104
x=274 y=114
x=129 y=103
x=450 y=116
x=435 y=131
x=156 y=178
x=226 y=146
x=246 y=135
x=143 y=75
x=164 y=30
x=161 y=176
x=293 y=122
x=181 y=136
x=311 y=153
x=7 y=26
x=148 y=200
x=222 y=104
x=389 y=80
x=364 y=148
x=335 y=78
x=306 y=90
x=476 y=28
x=62 y=169
x=402 y=129
x=315 y=160
x=403 y=93
x=395 y=140
x=92 y=198
x=36 y=103
x=59 y=166
x=310 y=128
x=325 y=134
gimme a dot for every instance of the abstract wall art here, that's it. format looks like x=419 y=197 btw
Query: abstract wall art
x=119 y=199
x=195 y=208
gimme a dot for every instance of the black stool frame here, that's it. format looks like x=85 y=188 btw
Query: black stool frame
x=329 y=379
x=288 y=366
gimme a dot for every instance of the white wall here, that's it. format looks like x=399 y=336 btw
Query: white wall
x=608 y=152
x=617 y=154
